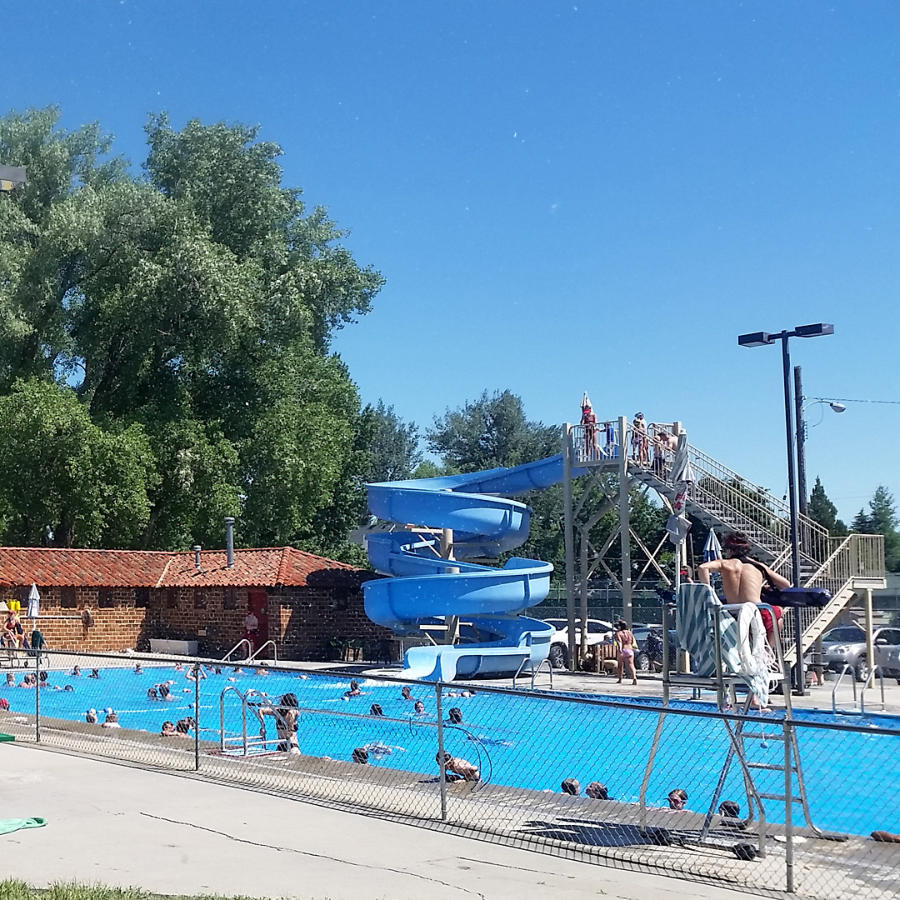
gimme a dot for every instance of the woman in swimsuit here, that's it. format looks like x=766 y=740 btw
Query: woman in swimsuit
x=286 y=715
x=625 y=656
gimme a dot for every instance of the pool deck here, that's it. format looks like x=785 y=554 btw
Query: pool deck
x=122 y=826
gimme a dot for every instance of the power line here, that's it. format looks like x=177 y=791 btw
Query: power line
x=849 y=400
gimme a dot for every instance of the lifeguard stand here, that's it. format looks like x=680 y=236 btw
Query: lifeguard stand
x=718 y=668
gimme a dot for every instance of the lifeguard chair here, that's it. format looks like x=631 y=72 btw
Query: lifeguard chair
x=729 y=654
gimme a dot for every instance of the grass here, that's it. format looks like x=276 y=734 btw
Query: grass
x=19 y=890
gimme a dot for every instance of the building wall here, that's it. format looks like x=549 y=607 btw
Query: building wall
x=306 y=623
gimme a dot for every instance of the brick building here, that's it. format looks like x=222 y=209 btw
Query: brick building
x=307 y=604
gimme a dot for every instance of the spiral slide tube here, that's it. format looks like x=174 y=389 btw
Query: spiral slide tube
x=425 y=585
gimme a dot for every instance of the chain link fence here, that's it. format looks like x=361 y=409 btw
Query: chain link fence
x=558 y=773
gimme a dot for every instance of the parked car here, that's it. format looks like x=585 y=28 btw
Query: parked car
x=598 y=631
x=846 y=645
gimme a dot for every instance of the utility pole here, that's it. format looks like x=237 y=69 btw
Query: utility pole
x=801 y=442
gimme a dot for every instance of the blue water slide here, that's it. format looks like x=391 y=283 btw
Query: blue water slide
x=485 y=523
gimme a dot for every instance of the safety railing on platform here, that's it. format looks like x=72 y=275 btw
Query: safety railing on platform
x=593 y=443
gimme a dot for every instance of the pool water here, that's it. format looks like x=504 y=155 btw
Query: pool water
x=852 y=779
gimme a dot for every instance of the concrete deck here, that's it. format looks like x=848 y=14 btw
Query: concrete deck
x=122 y=826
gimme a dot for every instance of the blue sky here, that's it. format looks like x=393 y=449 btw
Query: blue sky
x=561 y=196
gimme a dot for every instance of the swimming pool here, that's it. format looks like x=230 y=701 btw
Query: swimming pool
x=528 y=741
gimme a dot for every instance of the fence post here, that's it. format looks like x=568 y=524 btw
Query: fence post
x=440 y=733
x=788 y=806
x=37 y=697
x=196 y=716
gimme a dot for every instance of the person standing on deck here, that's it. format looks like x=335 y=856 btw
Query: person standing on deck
x=251 y=629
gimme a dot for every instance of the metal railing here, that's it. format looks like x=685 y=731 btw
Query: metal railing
x=238 y=645
x=259 y=650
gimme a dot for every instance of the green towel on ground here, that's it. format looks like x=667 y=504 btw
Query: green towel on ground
x=8 y=825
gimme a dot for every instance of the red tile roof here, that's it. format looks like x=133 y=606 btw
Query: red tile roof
x=58 y=567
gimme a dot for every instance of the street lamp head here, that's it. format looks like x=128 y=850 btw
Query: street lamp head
x=837 y=407
x=755 y=339
x=817 y=330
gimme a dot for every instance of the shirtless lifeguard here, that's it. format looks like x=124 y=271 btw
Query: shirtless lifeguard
x=742 y=577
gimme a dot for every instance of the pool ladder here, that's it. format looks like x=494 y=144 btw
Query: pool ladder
x=859 y=703
x=245 y=743
x=251 y=653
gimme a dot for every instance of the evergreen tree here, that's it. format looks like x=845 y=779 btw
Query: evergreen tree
x=882 y=519
x=823 y=511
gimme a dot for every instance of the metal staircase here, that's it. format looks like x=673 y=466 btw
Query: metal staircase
x=723 y=499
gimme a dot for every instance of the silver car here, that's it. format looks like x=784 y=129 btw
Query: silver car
x=846 y=645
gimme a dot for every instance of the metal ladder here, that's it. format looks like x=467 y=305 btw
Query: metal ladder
x=735 y=725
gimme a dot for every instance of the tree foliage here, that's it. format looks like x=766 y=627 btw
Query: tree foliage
x=881 y=519
x=73 y=482
x=489 y=432
x=393 y=445
x=820 y=509
x=193 y=306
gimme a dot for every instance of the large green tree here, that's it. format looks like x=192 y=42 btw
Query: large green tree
x=196 y=302
x=489 y=432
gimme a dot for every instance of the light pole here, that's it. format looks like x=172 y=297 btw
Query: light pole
x=800 y=405
x=760 y=339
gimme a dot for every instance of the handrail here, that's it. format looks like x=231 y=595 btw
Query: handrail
x=227 y=656
x=861 y=701
x=847 y=668
x=865 y=687
x=534 y=670
x=256 y=652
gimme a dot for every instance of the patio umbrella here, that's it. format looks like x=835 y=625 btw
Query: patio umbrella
x=712 y=549
x=34 y=602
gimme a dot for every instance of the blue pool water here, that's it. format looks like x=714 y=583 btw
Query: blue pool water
x=852 y=778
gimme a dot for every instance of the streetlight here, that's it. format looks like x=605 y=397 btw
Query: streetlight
x=760 y=339
x=801 y=404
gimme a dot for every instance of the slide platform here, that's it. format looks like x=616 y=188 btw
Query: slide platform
x=485 y=523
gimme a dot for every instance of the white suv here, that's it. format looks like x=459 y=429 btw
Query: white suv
x=598 y=631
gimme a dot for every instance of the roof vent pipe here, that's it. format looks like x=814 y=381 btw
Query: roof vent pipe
x=229 y=540
x=197 y=548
